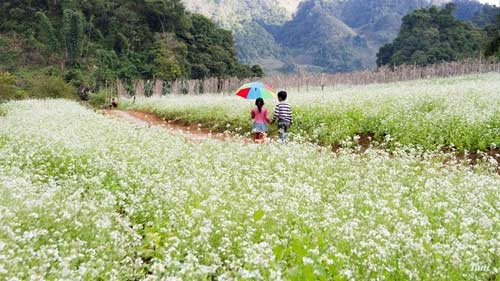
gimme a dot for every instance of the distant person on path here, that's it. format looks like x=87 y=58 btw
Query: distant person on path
x=114 y=103
x=260 y=118
x=282 y=114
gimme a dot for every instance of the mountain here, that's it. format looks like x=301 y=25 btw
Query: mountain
x=320 y=35
x=233 y=12
x=480 y=15
x=250 y=21
x=342 y=36
x=316 y=39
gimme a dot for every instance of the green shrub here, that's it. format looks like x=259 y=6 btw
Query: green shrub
x=51 y=87
x=98 y=100
x=52 y=70
x=77 y=78
x=10 y=54
x=8 y=89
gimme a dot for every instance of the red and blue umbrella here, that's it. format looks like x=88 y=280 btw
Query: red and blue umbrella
x=255 y=90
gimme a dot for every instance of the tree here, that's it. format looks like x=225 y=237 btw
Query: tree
x=46 y=35
x=384 y=54
x=169 y=57
x=210 y=47
x=257 y=71
x=166 y=15
x=73 y=35
x=45 y=32
x=493 y=41
x=9 y=53
x=8 y=89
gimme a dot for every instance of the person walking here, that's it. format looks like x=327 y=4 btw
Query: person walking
x=114 y=103
x=283 y=115
x=260 y=117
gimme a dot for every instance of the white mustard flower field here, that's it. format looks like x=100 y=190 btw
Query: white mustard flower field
x=460 y=113
x=87 y=197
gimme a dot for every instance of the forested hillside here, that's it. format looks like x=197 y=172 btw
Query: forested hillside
x=91 y=42
x=434 y=35
x=95 y=41
x=492 y=47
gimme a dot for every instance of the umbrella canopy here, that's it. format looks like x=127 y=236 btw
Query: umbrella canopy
x=255 y=90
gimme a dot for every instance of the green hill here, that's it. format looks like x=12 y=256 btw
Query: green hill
x=92 y=42
x=434 y=35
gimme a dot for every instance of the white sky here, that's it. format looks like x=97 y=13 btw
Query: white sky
x=492 y=2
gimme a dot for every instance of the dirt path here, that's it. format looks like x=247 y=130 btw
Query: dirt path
x=192 y=132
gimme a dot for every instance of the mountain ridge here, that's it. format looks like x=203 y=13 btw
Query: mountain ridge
x=316 y=35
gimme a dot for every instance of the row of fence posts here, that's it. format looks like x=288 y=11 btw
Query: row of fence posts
x=305 y=81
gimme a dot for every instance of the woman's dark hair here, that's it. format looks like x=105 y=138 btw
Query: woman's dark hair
x=282 y=95
x=259 y=102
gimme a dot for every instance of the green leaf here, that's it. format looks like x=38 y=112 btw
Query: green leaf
x=258 y=215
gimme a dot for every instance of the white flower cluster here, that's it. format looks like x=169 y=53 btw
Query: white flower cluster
x=85 y=197
x=459 y=112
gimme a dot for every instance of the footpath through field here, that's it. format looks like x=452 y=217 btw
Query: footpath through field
x=196 y=133
x=191 y=132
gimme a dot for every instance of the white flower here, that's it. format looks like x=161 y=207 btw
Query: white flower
x=306 y=260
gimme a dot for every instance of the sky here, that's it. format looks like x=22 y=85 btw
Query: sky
x=493 y=2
